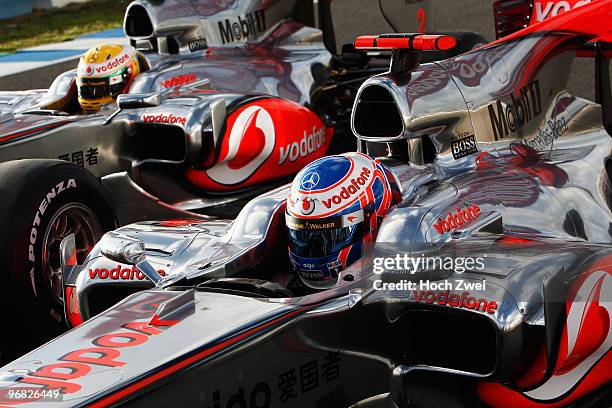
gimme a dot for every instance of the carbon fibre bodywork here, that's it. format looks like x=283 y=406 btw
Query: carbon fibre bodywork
x=496 y=160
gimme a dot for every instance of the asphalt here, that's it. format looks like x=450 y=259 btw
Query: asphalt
x=357 y=17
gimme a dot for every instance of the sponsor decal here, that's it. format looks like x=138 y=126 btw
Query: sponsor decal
x=179 y=80
x=312 y=198
x=120 y=273
x=310 y=181
x=545 y=9
x=308 y=206
x=165 y=117
x=283 y=386
x=198 y=45
x=464 y=147
x=426 y=83
x=457 y=219
x=547 y=135
x=506 y=119
x=309 y=144
x=346 y=193
x=107 y=66
x=263 y=140
x=105 y=351
x=81 y=158
x=463 y=301
x=471 y=68
x=251 y=124
x=40 y=212
x=243 y=27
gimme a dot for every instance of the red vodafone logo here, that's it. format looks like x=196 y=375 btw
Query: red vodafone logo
x=112 y=64
x=350 y=190
x=252 y=139
x=169 y=118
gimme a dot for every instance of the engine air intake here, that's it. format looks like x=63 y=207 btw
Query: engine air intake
x=137 y=22
x=376 y=114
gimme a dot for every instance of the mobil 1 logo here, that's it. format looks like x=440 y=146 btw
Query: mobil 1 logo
x=242 y=27
x=464 y=147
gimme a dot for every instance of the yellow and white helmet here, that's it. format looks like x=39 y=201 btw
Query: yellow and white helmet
x=105 y=72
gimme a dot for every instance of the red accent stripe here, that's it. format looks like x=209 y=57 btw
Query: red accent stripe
x=137 y=386
x=156 y=321
x=33 y=131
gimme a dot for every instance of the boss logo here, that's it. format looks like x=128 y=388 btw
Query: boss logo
x=464 y=147
x=198 y=45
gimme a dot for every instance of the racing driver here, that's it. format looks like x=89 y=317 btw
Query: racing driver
x=334 y=209
x=105 y=72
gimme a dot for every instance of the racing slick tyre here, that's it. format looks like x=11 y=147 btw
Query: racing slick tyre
x=41 y=202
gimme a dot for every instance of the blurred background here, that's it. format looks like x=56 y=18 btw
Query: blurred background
x=351 y=17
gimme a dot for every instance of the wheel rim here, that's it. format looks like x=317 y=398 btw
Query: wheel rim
x=72 y=218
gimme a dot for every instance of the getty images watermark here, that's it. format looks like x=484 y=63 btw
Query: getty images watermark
x=404 y=264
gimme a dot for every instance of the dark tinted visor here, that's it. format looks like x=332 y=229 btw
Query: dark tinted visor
x=317 y=244
x=98 y=88
x=93 y=88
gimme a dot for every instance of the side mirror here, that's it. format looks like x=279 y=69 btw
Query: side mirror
x=136 y=101
x=127 y=250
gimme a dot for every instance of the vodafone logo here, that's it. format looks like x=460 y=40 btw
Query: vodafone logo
x=179 y=80
x=253 y=126
x=312 y=196
x=107 y=67
x=547 y=9
x=457 y=219
x=346 y=193
x=169 y=118
x=119 y=273
x=112 y=64
x=309 y=144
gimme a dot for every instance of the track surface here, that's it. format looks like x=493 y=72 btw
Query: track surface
x=353 y=18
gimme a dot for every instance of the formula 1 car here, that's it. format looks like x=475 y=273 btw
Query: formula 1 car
x=234 y=99
x=506 y=167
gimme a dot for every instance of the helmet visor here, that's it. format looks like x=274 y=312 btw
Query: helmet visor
x=318 y=244
x=323 y=237
x=100 y=88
